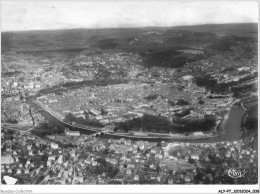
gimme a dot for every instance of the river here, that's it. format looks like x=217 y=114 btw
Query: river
x=232 y=126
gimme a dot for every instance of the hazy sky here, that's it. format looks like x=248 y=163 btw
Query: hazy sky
x=65 y=14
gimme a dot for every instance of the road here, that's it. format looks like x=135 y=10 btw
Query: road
x=55 y=116
x=231 y=125
x=4 y=126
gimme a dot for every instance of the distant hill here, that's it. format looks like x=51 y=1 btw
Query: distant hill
x=238 y=29
x=126 y=39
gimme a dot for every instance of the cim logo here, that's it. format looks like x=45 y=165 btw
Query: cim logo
x=236 y=173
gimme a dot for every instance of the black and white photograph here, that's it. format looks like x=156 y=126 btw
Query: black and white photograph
x=131 y=95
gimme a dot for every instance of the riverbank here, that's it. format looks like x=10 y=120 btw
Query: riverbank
x=231 y=126
x=251 y=112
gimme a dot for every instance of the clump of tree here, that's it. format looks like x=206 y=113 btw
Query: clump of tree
x=129 y=125
x=12 y=120
x=97 y=82
x=104 y=167
x=251 y=121
x=11 y=73
x=182 y=102
x=158 y=124
x=146 y=123
x=201 y=101
x=206 y=81
x=44 y=129
x=103 y=111
x=241 y=91
x=109 y=43
x=171 y=102
x=215 y=97
x=236 y=87
x=183 y=113
x=192 y=125
x=151 y=97
x=171 y=58
x=90 y=122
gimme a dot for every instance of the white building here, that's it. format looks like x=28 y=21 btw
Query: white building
x=54 y=146
x=187 y=77
x=7 y=160
x=71 y=133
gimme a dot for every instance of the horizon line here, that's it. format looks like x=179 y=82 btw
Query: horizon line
x=85 y=28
